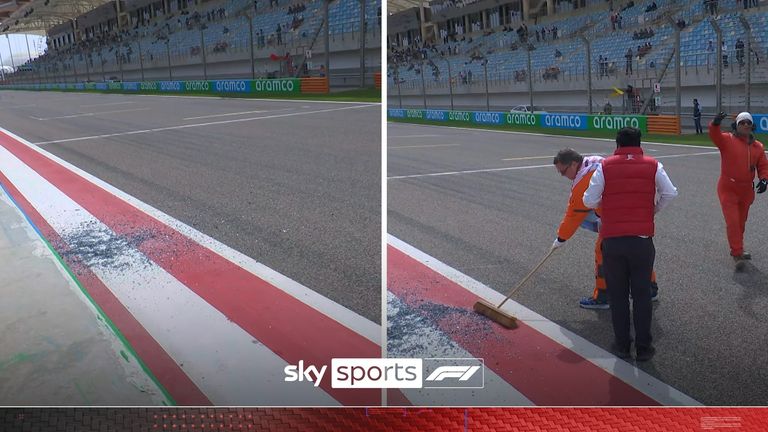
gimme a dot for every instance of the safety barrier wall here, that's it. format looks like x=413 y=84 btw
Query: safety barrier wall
x=664 y=125
x=521 y=119
x=253 y=87
x=315 y=85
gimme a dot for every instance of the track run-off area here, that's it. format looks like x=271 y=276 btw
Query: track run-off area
x=220 y=239
x=471 y=212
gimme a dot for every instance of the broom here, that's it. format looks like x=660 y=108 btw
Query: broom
x=494 y=312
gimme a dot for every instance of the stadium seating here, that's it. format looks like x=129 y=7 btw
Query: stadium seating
x=169 y=34
x=504 y=63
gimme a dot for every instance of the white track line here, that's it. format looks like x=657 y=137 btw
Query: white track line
x=90 y=114
x=526 y=167
x=328 y=307
x=106 y=104
x=423 y=146
x=467 y=172
x=199 y=125
x=414 y=136
x=219 y=356
x=233 y=114
x=418 y=338
x=628 y=373
x=528 y=158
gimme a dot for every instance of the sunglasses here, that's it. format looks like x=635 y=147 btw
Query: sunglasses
x=563 y=170
x=745 y=122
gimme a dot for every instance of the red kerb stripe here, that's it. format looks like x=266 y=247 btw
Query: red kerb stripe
x=544 y=371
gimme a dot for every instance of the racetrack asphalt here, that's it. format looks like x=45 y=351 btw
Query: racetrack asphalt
x=295 y=185
x=466 y=198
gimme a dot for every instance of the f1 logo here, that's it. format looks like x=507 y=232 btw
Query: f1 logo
x=454 y=373
x=463 y=373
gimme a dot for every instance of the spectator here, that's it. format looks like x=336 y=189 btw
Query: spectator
x=697 y=117
x=628 y=56
x=740 y=52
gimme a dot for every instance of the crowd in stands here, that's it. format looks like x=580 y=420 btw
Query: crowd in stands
x=644 y=49
x=749 y=4
x=605 y=67
x=159 y=29
x=551 y=73
x=652 y=31
x=645 y=33
x=616 y=20
x=220 y=47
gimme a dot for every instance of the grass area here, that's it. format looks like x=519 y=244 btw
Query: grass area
x=369 y=94
x=689 y=139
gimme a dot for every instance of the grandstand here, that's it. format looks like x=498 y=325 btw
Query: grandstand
x=464 y=54
x=137 y=40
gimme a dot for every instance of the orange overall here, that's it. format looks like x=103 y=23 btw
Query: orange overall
x=579 y=215
x=740 y=158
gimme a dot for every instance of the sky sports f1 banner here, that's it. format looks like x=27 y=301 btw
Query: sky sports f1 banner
x=568 y=121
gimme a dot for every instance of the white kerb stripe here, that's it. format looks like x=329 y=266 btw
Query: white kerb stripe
x=645 y=383
x=223 y=360
x=417 y=338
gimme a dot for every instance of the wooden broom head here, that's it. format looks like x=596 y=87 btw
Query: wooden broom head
x=495 y=314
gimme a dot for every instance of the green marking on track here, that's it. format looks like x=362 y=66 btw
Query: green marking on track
x=82 y=393
x=18 y=358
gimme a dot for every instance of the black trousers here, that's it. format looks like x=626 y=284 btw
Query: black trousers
x=627 y=265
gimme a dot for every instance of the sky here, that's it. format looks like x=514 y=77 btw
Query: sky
x=18 y=46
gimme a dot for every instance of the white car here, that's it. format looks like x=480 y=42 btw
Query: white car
x=527 y=109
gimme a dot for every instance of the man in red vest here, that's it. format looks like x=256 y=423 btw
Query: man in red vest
x=741 y=157
x=624 y=186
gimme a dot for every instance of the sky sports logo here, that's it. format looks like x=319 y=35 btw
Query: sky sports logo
x=358 y=373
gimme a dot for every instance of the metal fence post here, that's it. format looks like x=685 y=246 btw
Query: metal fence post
x=748 y=72
x=487 y=95
x=719 y=66
x=202 y=51
x=423 y=86
x=450 y=81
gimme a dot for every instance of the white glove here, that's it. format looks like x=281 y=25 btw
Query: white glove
x=557 y=243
